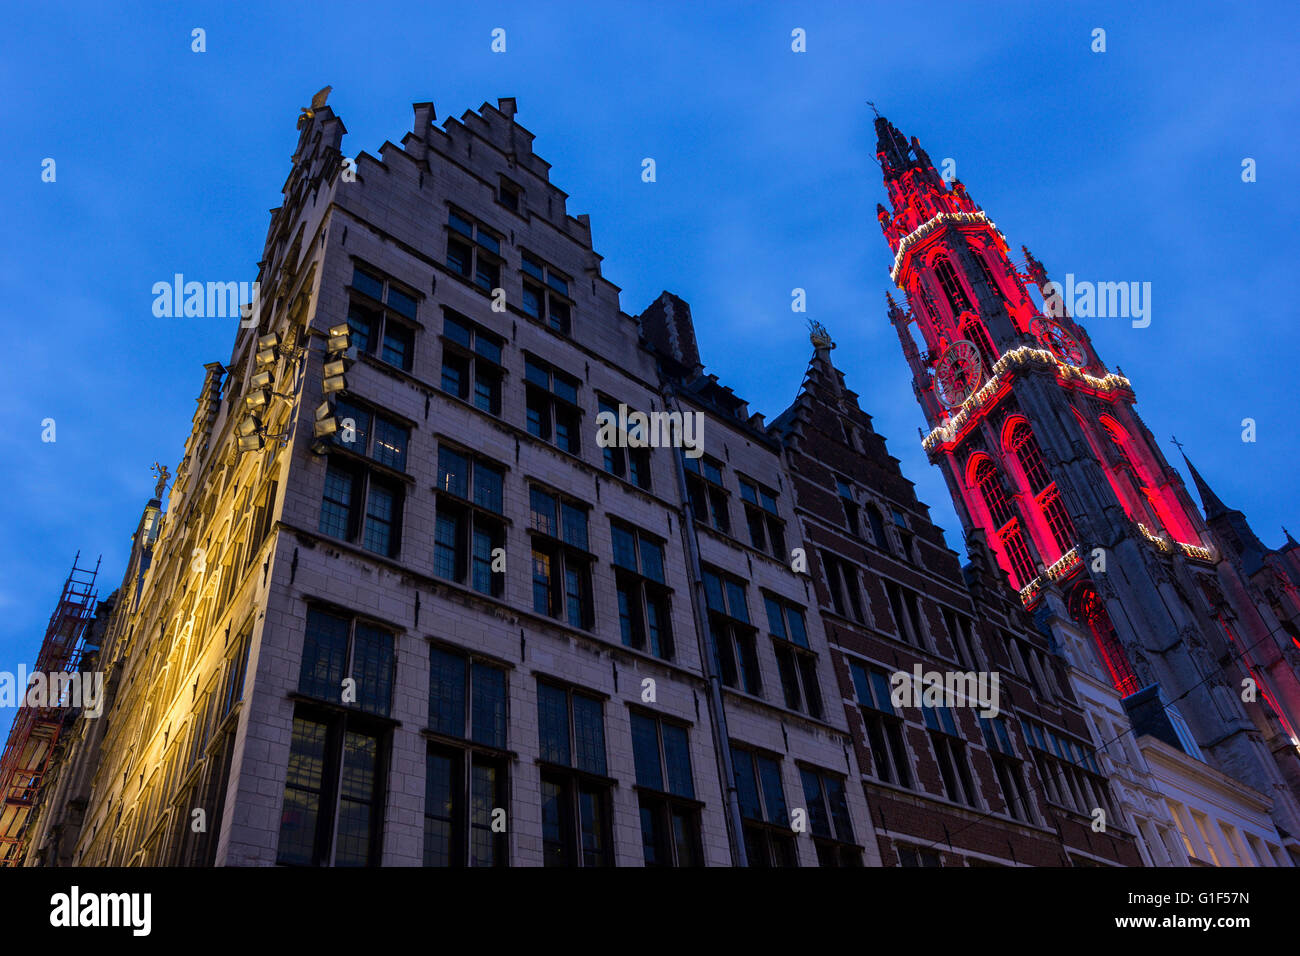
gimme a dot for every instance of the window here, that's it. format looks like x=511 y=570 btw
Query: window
x=708 y=499
x=907 y=614
x=643 y=610
x=987 y=273
x=468 y=527
x=842 y=580
x=766 y=530
x=828 y=818
x=795 y=661
x=361 y=506
x=333 y=796
x=670 y=815
x=632 y=464
x=551 y=399
x=884 y=727
x=1087 y=607
x=546 y=295
x=877 y=521
x=371 y=435
x=765 y=821
x=576 y=802
x=851 y=517
x=952 y=288
x=1017 y=554
x=995 y=499
x=1069 y=770
x=337 y=647
x=1058 y=519
x=376 y=314
x=1046 y=495
x=960 y=628
x=466 y=782
x=473 y=251
x=510 y=196
x=950 y=751
x=232 y=690
x=730 y=632
x=561 y=561
x=917 y=856
x=332 y=814
x=471 y=363
x=1007 y=767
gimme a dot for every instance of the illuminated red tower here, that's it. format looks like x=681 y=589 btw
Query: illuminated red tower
x=1048 y=462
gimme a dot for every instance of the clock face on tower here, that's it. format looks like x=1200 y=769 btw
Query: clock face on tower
x=1060 y=342
x=957 y=373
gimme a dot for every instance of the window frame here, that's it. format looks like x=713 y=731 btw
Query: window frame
x=478 y=367
x=644 y=591
x=375 y=344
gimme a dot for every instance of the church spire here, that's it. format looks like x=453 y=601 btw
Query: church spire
x=1210 y=502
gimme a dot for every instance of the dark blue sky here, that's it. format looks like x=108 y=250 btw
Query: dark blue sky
x=1121 y=166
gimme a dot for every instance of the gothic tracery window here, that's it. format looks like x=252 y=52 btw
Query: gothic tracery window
x=1088 y=609
x=952 y=288
x=1046 y=495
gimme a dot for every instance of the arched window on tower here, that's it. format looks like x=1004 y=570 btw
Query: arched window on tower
x=973 y=329
x=1155 y=502
x=1046 y=495
x=988 y=273
x=952 y=288
x=1087 y=608
x=1006 y=526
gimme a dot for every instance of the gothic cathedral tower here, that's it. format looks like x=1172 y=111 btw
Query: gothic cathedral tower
x=1049 y=464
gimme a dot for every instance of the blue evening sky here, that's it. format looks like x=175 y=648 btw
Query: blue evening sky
x=1124 y=165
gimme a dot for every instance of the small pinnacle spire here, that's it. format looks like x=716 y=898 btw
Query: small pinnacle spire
x=1210 y=502
x=1290 y=541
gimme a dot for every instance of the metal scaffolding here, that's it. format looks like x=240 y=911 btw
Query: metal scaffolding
x=35 y=730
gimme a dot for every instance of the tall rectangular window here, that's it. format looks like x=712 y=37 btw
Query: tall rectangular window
x=795 y=660
x=622 y=459
x=381 y=314
x=766 y=529
x=561 y=559
x=361 y=506
x=332 y=813
x=1007 y=767
x=884 y=727
x=670 y=814
x=828 y=818
x=473 y=251
x=706 y=494
x=907 y=614
x=643 y=606
x=851 y=514
x=335 y=648
x=765 y=819
x=950 y=751
x=465 y=794
x=471 y=363
x=546 y=294
x=730 y=632
x=333 y=798
x=576 y=794
x=551 y=403
x=469 y=531
x=842 y=582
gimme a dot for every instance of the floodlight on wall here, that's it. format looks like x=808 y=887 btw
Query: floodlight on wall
x=340 y=339
x=326 y=424
x=249 y=432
